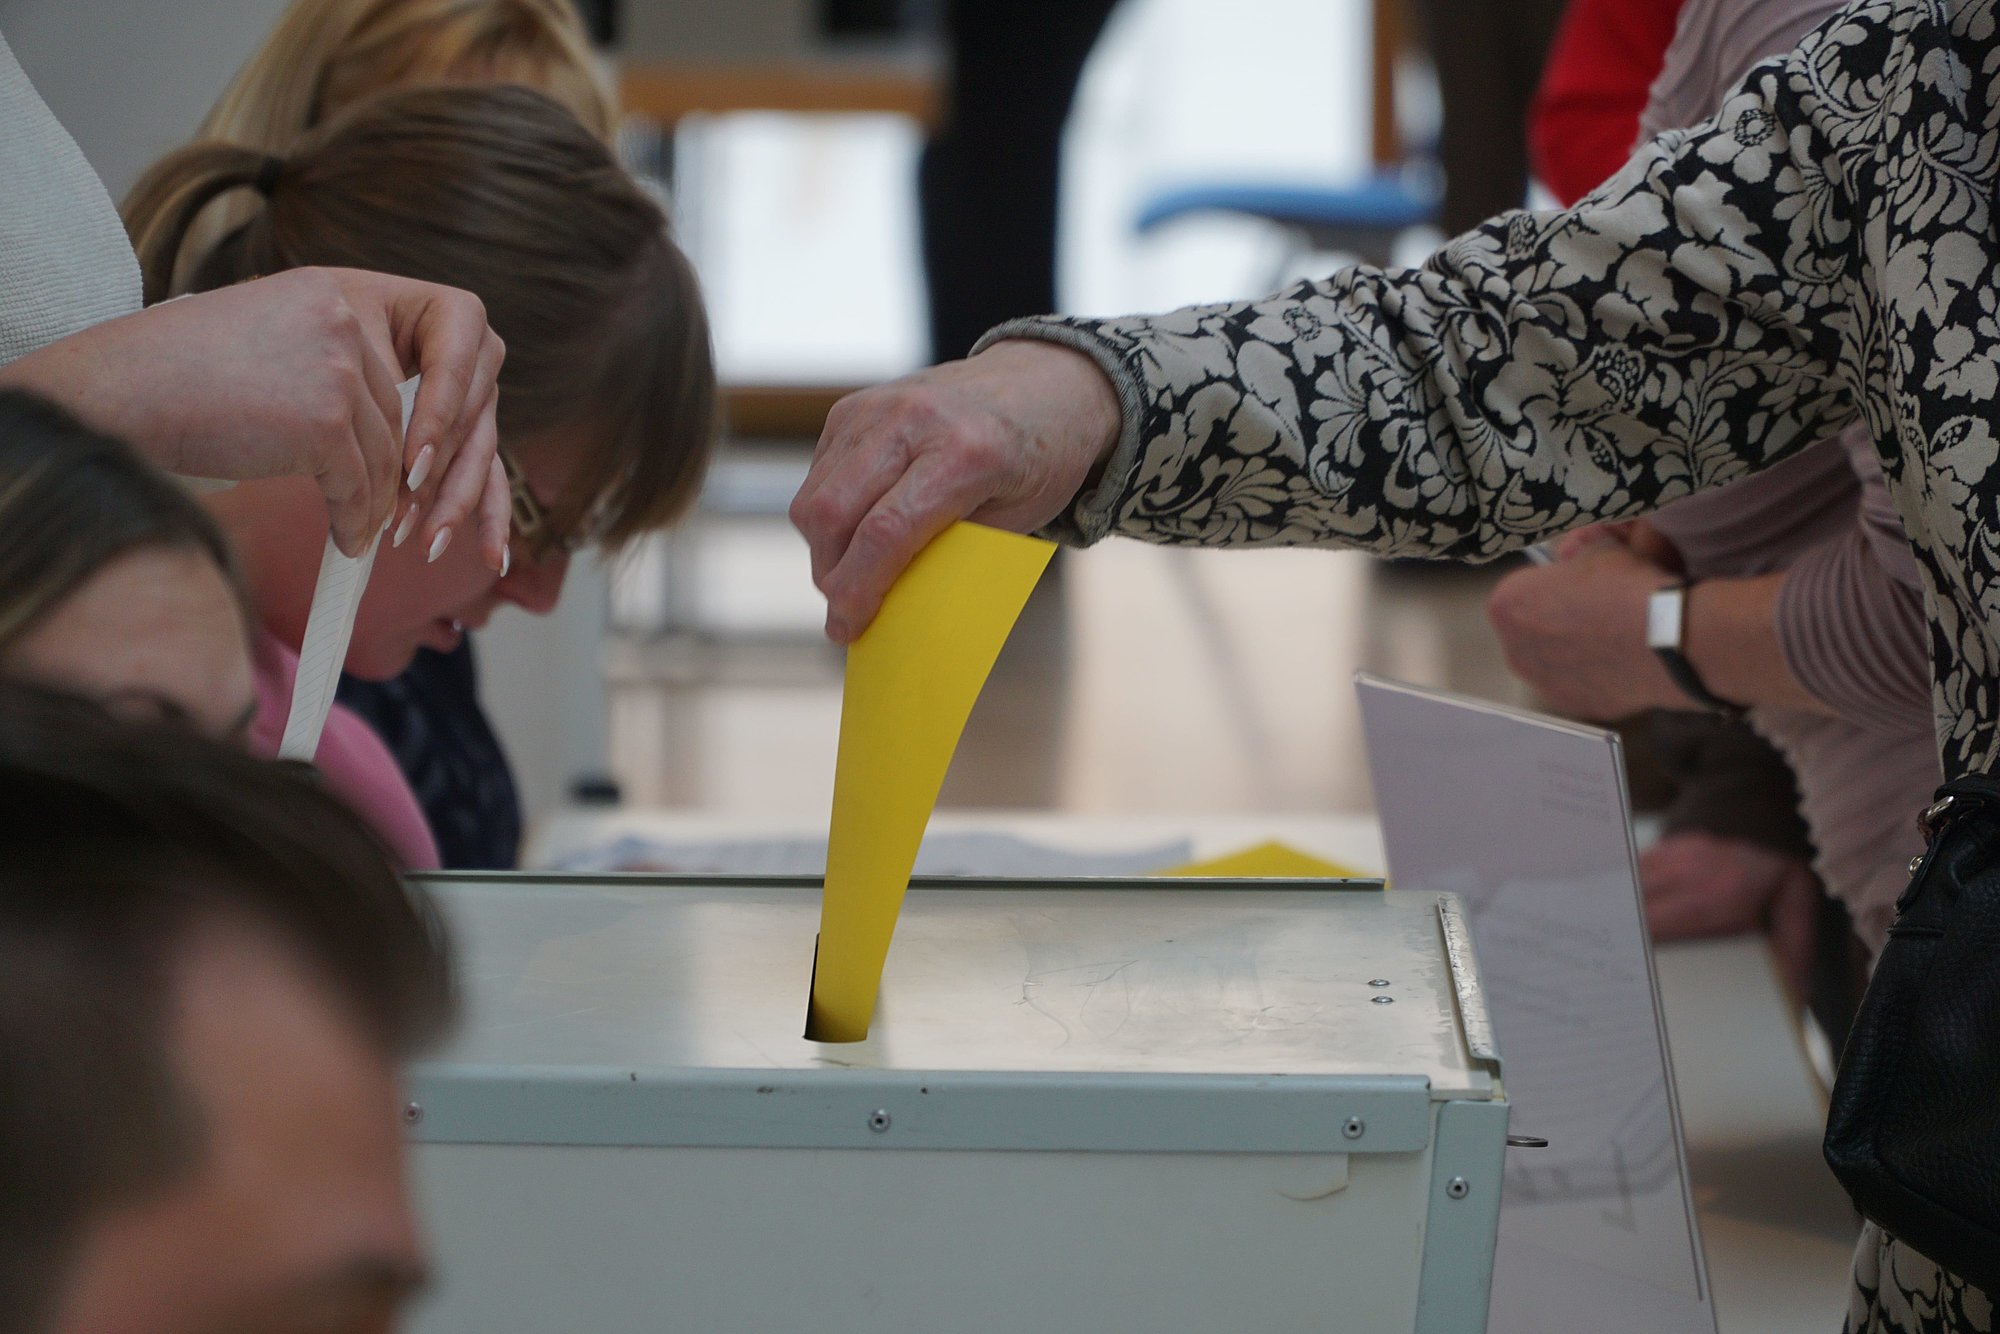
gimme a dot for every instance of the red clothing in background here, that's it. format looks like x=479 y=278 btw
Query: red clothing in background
x=1585 y=119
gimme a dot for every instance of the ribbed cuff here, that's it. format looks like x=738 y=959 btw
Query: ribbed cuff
x=1855 y=637
x=1091 y=515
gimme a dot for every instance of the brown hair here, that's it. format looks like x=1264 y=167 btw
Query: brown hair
x=71 y=502
x=123 y=841
x=500 y=192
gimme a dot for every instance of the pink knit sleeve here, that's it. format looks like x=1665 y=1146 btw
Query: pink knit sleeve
x=1850 y=617
x=355 y=764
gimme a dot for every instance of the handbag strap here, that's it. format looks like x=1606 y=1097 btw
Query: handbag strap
x=1954 y=799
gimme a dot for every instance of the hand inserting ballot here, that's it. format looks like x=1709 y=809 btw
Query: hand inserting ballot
x=1005 y=439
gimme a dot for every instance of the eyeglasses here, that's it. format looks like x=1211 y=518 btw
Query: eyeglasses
x=532 y=523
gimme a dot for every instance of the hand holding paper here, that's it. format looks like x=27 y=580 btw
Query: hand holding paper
x=912 y=678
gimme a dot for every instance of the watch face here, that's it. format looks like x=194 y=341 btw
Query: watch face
x=1663 y=618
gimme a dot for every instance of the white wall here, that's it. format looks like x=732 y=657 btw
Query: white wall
x=131 y=79
x=1180 y=92
x=707 y=30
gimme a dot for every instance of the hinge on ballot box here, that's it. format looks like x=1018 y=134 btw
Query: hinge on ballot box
x=1465 y=982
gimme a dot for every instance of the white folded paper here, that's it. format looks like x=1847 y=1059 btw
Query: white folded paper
x=329 y=626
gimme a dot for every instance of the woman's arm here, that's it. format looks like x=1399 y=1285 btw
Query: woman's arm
x=1576 y=632
x=295 y=375
x=1682 y=326
x=1849 y=621
x=1840 y=632
x=1697 y=317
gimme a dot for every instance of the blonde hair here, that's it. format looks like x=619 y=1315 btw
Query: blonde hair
x=326 y=55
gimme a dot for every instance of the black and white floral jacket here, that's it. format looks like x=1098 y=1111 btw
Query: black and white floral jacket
x=1826 y=246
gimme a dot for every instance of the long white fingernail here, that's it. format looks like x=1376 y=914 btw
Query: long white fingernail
x=439 y=543
x=506 y=560
x=422 y=467
x=404 y=528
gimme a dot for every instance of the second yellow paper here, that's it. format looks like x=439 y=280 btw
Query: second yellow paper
x=912 y=679
x=1267 y=861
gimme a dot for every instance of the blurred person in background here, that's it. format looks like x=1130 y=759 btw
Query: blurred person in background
x=1733 y=853
x=1803 y=604
x=322 y=57
x=1600 y=70
x=606 y=398
x=988 y=181
x=1488 y=56
x=209 y=978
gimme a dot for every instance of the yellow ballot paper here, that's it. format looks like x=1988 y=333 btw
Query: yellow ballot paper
x=912 y=678
x=1273 y=861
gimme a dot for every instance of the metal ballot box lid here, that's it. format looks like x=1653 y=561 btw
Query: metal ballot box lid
x=1114 y=1015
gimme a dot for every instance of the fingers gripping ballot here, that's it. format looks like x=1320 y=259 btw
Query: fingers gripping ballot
x=295 y=375
x=449 y=455
x=1006 y=438
x=917 y=504
x=454 y=437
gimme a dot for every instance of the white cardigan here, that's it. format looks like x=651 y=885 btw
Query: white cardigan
x=65 y=263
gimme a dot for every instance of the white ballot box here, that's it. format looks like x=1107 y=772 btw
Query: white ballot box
x=1145 y=1105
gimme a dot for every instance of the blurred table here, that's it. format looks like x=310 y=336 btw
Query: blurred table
x=1777 y=1229
x=665 y=91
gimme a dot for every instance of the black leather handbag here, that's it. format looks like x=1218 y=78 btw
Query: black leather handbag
x=1914 y=1129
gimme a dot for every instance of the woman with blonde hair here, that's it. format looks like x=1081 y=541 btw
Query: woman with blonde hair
x=322 y=57
x=325 y=55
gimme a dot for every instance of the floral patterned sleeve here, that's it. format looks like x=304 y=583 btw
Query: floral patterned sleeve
x=1694 y=319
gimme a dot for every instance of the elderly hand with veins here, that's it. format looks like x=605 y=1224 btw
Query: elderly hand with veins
x=1006 y=438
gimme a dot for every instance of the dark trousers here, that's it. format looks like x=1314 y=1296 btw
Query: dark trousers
x=1488 y=55
x=987 y=186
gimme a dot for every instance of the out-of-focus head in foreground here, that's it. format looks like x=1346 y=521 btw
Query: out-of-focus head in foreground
x=114 y=582
x=209 y=976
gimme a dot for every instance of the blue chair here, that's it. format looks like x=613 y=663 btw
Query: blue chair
x=1363 y=219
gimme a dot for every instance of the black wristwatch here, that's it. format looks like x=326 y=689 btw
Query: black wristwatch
x=1666 y=631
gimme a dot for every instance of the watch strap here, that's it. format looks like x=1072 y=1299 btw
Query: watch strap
x=1690 y=683
x=1683 y=671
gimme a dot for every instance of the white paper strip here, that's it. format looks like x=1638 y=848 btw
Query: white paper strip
x=329 y=626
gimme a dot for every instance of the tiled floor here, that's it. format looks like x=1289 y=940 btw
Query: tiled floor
x=1140 y=679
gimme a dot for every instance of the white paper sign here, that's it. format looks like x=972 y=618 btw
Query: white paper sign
x=1526 y=818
